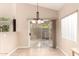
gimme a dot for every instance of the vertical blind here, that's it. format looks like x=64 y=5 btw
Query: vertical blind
x=69 y=27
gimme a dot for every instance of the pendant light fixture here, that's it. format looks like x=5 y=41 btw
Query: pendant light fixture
x=37 y=19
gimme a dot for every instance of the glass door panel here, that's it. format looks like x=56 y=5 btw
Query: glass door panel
x=39 y=35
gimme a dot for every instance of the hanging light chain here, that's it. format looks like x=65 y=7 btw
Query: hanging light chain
x=37 y=13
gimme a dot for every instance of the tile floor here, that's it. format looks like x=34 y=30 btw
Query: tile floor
x=37 y=52
x=41 y=43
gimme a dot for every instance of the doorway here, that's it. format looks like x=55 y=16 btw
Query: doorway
x=40 y=35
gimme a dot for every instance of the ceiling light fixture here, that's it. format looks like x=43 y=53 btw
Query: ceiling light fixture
x=37 y=19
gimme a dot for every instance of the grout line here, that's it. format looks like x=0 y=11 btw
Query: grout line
x=63 y=51
x=12 y=51
x=15 y=50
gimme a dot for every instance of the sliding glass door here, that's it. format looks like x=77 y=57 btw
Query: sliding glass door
x=40 y=35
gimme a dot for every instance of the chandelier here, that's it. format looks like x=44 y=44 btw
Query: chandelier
x=37 y=19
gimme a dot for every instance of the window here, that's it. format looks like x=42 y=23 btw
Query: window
x=69 y=27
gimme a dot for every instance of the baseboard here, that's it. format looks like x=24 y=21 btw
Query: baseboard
x=12 y=51
x=63 y=51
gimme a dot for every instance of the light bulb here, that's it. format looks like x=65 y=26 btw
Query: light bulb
x=33 y=21
x=40 y=21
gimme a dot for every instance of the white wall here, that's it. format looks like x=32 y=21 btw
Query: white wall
x=8 y=41
x=63 y=43
x=6 y=9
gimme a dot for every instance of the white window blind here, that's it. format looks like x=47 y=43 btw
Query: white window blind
x=69 y=27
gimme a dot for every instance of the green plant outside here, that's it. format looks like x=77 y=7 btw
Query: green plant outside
x=5 y=26
x=45 y=26
x=4 y=18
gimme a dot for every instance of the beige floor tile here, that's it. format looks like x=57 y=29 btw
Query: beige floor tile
x=37 y=52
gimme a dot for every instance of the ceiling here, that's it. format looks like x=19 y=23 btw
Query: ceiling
x=54 y=6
